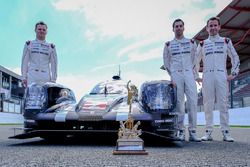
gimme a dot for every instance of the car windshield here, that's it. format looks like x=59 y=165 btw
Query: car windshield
x=114 y=87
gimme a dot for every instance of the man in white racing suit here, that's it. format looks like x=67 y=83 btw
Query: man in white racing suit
x=213 y=52
x=179 y=59
x=39 y=60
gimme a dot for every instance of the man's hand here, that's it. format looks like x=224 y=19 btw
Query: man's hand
x=230 y=77
x=199 y=81
x=173 y=83
x=25 y=83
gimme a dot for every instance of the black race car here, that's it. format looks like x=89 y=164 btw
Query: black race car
x=100 y=111
x=106 y=105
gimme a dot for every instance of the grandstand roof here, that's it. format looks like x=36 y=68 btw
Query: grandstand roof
x=235 y=24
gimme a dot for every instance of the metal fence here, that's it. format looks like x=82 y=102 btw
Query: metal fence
x=239 y=93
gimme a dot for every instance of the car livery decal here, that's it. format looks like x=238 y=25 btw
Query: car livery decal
x=61 y=116
x=94 y=105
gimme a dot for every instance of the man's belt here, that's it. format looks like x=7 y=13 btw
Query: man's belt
x=37 y=70
x=181 y=70
x=214 y=70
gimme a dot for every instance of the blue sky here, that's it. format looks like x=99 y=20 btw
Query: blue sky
x=94 y=37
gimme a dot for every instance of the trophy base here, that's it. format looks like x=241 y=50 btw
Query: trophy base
x=130 y=147
x=130 y=152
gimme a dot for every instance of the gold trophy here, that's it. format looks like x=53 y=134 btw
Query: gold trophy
x=129 y=142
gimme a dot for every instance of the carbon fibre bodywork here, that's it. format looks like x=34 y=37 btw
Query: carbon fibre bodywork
x=102 y=109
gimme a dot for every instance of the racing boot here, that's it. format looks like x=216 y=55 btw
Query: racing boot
x=207 y=136
x=182 y=135
x=193 y=137
x=226 y=136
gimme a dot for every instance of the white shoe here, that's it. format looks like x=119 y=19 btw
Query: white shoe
x=207 y=136
x=182 y=135
x=226 y=136
x=193 y=137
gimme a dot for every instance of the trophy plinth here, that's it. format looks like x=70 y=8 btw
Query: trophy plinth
x=129 y=142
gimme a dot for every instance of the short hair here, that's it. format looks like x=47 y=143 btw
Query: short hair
x=214 y=18
x=41 y=23
x=177 y=20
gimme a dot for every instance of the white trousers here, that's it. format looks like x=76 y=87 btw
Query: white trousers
x=215 y=86
x=38 y=76
x=185 y=83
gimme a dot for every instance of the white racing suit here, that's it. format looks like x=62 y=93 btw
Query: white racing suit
x=39 y=62
x=213 y=52
x=179 y=61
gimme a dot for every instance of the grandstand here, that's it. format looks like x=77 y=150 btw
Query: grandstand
x=235 y=24
x=11 y=91
x=241 y=90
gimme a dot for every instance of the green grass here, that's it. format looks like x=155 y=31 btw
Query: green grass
x=11 y=124
x=239 y=126
x=232 y=126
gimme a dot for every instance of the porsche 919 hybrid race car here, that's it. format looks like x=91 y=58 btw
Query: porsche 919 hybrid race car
x=101 y=110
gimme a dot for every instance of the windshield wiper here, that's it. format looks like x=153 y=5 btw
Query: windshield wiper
x=93 y=93
x=105 y=90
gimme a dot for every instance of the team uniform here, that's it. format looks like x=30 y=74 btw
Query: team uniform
x=179 y=61
x=213 y=52
x=39 y=62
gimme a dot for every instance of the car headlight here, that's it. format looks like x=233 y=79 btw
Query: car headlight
x=35 y=97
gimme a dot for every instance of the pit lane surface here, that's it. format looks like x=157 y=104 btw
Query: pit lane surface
x=95 y=152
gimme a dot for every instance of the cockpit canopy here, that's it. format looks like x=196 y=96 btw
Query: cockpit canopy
x=110 y=87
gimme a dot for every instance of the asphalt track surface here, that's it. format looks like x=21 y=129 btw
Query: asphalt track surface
x=37 y=152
